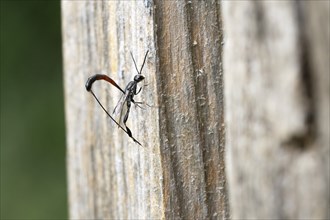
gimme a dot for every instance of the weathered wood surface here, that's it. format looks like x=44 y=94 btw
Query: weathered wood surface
x=110 y=176
x=276 y=65
x=179 y=173
x=191 y=124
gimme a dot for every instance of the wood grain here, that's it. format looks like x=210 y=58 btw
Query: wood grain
x=180 y=171
x=276 y=67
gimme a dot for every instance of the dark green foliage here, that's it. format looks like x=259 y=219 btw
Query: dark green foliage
x=33 y=178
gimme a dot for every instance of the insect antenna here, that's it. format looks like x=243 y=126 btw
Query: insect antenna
x=145 y=57
x=134 y=63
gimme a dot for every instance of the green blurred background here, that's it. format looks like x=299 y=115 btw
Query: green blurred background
x=33 y=175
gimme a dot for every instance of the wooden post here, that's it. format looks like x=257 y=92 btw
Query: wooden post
x=276 y=65
x=179 y=172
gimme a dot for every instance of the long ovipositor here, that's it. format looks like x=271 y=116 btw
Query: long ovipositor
x=128 y=94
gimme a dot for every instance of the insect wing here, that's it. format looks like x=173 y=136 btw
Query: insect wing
x=123 y=111
x=120 y=109
x=115 y=110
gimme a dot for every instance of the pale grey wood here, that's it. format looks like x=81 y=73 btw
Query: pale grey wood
x=109 y=176
x=276 y=67
x=180 y=171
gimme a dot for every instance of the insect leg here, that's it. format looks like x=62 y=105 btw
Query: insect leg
x=138 y=104
x=135 y=93
x=127 y=130
x=125 y=120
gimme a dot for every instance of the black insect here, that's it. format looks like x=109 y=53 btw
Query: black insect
x=124 y=103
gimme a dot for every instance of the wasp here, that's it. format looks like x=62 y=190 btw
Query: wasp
x=127 y=98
